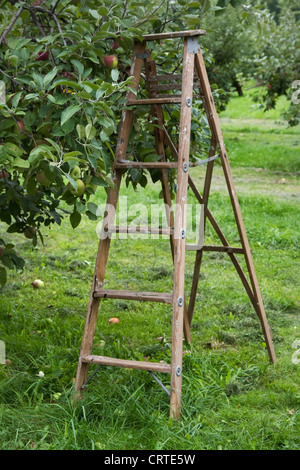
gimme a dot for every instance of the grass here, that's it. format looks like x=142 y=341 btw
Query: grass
x=233 y=398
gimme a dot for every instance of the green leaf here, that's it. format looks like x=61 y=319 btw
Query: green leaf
x=20 y=163
x=95 y=14
x=69 y=112
x=38 y=80
x=80 y=131
x=69 y=155
x=16 y=99
x=49 y=77
x=68 y=83
x=93 y=208
x=115 y=75
x=103 y=11
x=72 y=181
x=75 y=219
x=78 y=66
x=90 y=131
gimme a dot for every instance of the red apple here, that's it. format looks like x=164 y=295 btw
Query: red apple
x=68 y=75
x=42 y=55
x=115 y=44
x=113 y=320
x=21 y=126
x=110 y=61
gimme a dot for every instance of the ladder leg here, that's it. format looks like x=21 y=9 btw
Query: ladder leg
x=111 y=204
x=199 y=254
x=180 y=224
x=216 y=131
x=156 y=111
x=93 y=307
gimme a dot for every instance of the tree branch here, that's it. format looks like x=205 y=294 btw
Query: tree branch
x=41 y=29
x=9 y=27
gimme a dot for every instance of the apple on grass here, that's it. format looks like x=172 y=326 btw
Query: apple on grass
x=113 y=320
x=110 y=61
x=38 y=284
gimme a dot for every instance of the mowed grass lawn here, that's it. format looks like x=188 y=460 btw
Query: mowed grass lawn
x=232 y=396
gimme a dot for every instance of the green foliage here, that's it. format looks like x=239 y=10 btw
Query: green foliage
x=63 y=104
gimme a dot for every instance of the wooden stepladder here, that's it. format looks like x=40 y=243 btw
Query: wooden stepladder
x=192 y=66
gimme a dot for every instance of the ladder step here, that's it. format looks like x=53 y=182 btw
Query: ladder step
x=134 y=295
x=221 y=249
x=130 y=364
x=126 y=164
x=141 y=230
x=170 y=100
x=174 y=34
x=166 y=76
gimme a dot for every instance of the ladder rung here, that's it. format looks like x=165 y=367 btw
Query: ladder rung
x=126 y=164
x=166 y=86
x=134 y=295
x=173 y=99
x=167 y=76
x=150 y=165
x=141 y=230
x=221 y=249
x=174 y=34
x=130 y=364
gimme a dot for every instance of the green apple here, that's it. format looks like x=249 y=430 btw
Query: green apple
x=75 y=173
x=80 y=187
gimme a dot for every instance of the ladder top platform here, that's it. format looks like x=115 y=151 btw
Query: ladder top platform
x=174 y=34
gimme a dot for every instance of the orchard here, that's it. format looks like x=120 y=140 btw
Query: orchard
x=65 y=65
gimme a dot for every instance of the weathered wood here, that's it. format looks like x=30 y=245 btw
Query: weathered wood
x=104 y=245
x=166 y=86
x=219 y=249
x=147 y=165
x=132 y=295
x=142 y=230
x=180 y=223
x=147 y=101
x=198 y=260
x=156 y=111
x=217 y=134
x=174 y=35
x=164 y=77
x=129 y=364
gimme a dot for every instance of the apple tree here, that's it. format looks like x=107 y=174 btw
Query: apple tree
x=64 y=67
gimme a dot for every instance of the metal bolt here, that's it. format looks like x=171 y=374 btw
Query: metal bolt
x=178 y=371
x=185 y=167
x=189 y=102
x=180 y=301
x=182 y=233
